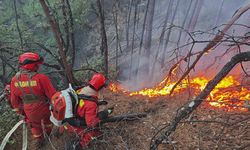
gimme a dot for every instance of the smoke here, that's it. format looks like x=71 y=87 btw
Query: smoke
x=210 y=20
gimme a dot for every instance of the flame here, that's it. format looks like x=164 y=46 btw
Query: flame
x=228 y=94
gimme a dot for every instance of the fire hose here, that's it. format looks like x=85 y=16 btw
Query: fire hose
x=2 y=96
x=25 y=136
x=8 y=135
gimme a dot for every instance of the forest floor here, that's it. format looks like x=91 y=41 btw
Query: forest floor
x=207 y=128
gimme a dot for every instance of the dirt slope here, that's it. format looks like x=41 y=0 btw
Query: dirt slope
x=216 y=129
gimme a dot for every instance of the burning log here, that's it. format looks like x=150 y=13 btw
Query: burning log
x=187 y=109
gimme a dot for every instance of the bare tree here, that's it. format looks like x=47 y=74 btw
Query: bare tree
x=184 y=22
x=195 y=15
x=17 y=25
x=71 y=32
x=56 y=30
x=128 y=21
x=104 y=44
x=141 y=40
x=146 y=40
x=160 y=45
x=133 y=40
x=168 y=34
x=219 y=13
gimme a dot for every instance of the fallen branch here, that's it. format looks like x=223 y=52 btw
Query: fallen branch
x=74 y=70
x=243 y=147
x=124 y=117
x=185 y=110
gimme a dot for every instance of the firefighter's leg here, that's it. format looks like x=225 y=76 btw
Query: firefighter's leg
x=36 y=129
x=47 y=125
x=89 y=136
x=73 y=141
x=37 y=133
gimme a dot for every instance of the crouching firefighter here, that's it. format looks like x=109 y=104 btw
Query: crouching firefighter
x=29 y=93
x=6 y=95
x=78 y=111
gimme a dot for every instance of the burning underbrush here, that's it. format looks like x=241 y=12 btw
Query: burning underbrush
x=228 y=95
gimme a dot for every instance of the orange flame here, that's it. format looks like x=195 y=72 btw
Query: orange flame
x=228 y=94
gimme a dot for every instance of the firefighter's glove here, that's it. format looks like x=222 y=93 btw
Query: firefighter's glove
x=103 y=114
x=110 y=110
x=23 y=117
x=102 y=102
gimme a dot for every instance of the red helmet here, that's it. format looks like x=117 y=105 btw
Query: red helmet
x=97 y=81
x=30 y=61
x=59 y=106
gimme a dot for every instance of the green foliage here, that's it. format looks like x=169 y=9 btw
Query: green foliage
x=94 y=63
x=8 y=119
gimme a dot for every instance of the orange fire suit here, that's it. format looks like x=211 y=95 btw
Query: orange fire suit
x=29 y=91
x=87 y=110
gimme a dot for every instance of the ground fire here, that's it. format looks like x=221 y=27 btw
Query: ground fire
x=229 y=94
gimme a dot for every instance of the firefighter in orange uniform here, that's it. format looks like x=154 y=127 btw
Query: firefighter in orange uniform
x=87 y=110
x=6 y=95
x=29 y=93
x=7 y=92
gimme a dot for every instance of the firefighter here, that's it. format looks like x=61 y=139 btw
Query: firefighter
x=87 y=110
x=29 y=93
x=7 y=94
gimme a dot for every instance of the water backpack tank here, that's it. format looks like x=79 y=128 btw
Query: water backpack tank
x=62 y=106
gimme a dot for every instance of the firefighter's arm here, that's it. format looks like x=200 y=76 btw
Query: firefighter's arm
x=47 y=86
x=91 y=117
x=15 y=100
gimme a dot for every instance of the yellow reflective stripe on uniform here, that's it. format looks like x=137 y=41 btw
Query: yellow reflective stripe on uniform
x=16 y=109
x=31 y=83
x=81 y=103
x=37 y=135
x=65 y=127
x=48 y=125
x=93 y=138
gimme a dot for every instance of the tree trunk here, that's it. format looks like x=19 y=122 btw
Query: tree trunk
x=71 y=31
x=160 y=46
x=104 y=44
x=17 y=25
x=148 y=34
x=66 y=25
x=168 y=35
x=133 y=42
x=141 y=41
x=118 y=45
x=128 y=22
x=195 y=17
x=55 y=28
x=219 y=13
x=183 y=23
